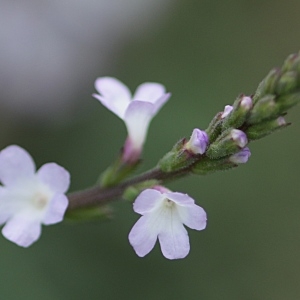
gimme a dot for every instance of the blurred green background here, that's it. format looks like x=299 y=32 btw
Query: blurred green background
x=205 y=53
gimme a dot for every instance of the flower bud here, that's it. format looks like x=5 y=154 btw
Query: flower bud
x=198 y=142
x=229 y=142
x=240 y=157
x=239 y=137
x=227 y=111
x=263 y=129
x=238 y=113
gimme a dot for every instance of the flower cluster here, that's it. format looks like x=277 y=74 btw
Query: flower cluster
x=29 y=199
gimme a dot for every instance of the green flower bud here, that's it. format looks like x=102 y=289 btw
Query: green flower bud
x=229 y=142
x=258 y=131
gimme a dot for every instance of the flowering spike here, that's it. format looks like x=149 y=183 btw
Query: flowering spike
x=137 y=111
x=163 y=215
x=29 y=199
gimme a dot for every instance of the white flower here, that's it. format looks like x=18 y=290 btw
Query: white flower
x=163 y=215
x=29 y=199
x=136 y=111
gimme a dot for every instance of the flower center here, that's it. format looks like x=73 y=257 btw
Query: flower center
x=40 y=200
x=169 y=203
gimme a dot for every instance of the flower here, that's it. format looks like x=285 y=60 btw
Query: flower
x=198 y=142
x=29 y=199
x=163 y=215
x=136 y=111
x=241 y=157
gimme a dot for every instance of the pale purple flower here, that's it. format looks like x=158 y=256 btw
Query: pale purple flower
x=241 y=157
x=163 y=215
x=198 y=142
x=227 y=111
x=239 y=137
x=29 y=199
x=136 y=111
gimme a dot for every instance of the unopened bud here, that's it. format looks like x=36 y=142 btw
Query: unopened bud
x=240 y=157
x=239 y=137
x=227 y=111
x=198 y=142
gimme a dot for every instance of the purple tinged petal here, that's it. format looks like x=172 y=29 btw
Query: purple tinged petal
x=281 y=121
x=160 y=102
x=15 y=165
x=180 y=199
x=149 y=92
x=147 y=201
x=55 y=177
x=114 y=95
x=142 y=236
x=22 y=231
x=241 y=157
x=198 y=142
x=227 y=111
x=239 y=137
x=56 y=209
x=137 y=119
x=193 y=216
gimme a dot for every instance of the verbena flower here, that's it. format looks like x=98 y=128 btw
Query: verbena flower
x=29 y=199
x=163 y=215
x=198 y=142
x=136 y=111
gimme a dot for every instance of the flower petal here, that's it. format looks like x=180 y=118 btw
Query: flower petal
x=180 y=199
x=137 y=119
x=160 y=102
x=147 y=201
x=143 y=236
x=114 y=95
x=149 y=92
x=56 y=209
x=192 y=216
x=15 y=165
x=173 y=239
x=55 y=177
x=22 y=231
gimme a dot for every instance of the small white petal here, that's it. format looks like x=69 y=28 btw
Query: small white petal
x=114 y=95
x=55 y=177
x=15 y=164
x=173 y=239
x=192 y=216
x=56 y=209
x=147 y=201
x=149 y=92
x=137 y=119
x=142 y=236
x=22 y=231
